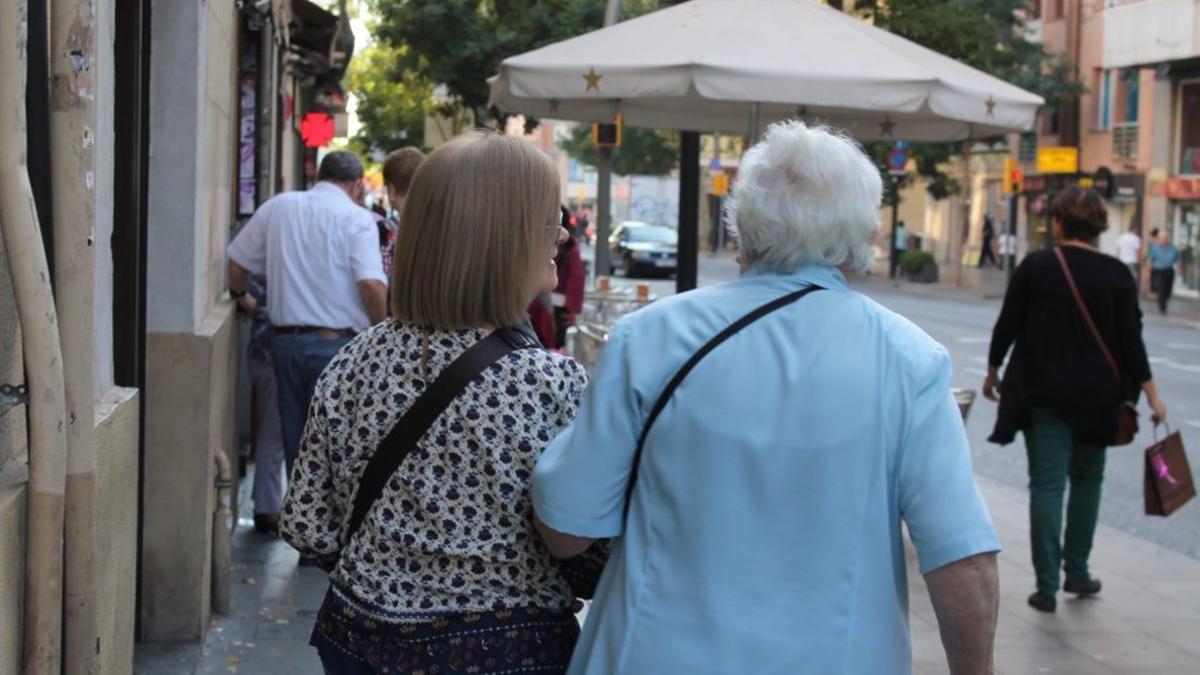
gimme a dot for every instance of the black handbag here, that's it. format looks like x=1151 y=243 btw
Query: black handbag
x=583 y=571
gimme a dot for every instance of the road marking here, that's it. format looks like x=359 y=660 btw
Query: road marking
x=1175 y=365
x=1184 y=345
x=979 y=359
x=1193 y=423
x=975 y=371
x=974 y=339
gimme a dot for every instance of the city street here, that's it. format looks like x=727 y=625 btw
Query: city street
x=201 y=203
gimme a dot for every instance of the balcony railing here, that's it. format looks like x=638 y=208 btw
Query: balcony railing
x=1125 y=140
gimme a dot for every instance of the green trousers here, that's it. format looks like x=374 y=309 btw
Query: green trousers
x=1055 y=454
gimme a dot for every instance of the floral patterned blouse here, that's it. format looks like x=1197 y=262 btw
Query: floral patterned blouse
x=451 y=532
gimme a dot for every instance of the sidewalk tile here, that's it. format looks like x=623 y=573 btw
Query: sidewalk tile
x=1049 y=660
x=1130 y=652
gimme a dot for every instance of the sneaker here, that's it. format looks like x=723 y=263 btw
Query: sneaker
x=1085 y=586
x=1042 y=602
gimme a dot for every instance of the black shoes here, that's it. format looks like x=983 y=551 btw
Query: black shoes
x=1042 y=602
x=1047 y=603
x=1084 y=586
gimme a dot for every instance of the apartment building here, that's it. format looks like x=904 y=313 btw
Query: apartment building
x=1161 y=38
x=1137 y=125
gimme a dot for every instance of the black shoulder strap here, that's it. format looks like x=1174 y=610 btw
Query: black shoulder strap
x=712 y=344
x=409 y=429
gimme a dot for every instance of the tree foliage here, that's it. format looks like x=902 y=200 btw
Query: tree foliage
x=644 y=152
x=986 y=34
x=460 y=43
x=393 y=98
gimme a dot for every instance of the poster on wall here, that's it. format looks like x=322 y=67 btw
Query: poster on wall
x=248 y=132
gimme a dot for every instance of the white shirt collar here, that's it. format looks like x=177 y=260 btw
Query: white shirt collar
x=326 y=186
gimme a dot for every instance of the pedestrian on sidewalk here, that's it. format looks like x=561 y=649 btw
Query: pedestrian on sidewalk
x=1059 y=388
x=572 y=279
x=1129 y=252
x=399 y=167
x=901 y=238
x=763 y=532
x=320 y=253
x=446 y=573
x=1008 y=247
x=986 y=253
x=267 y=432
x=1163 y=257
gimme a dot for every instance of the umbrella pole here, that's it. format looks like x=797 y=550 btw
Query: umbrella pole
x=604 y=161
x=689 y=211
x=603 y=210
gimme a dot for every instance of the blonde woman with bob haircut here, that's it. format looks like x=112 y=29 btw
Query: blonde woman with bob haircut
x=443 y=571
x=757 y=445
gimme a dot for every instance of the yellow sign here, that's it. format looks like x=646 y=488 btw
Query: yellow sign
x=720 y=184
x=1058 y=160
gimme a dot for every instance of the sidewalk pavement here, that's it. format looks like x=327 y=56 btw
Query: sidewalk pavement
x=1145 y=622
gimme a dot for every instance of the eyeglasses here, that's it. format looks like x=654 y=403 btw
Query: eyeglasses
x=561 y=234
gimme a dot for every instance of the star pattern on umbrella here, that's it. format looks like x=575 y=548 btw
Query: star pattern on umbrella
x=991 y=106
x=552 y=105
x=593 y=79
x=886 y=127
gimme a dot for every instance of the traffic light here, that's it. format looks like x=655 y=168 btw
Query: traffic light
x=1013 y=178
x=607 y=135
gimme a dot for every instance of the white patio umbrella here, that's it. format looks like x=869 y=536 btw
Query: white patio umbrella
x=734 y=65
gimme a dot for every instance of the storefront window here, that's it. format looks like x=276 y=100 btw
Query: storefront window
x=1187 y=240
x=1189 y=129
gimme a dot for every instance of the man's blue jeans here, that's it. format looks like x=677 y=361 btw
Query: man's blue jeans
x=299 y=360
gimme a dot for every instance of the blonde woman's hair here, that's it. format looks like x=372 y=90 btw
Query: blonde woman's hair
x=476 y=233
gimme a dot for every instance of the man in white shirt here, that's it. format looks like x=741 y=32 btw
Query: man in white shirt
x=320 y=252
x=1008 y=248
x=1129 y=251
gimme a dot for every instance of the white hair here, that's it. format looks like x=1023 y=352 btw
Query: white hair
x=806 y=195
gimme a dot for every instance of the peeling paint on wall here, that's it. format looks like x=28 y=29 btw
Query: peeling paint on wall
x=22 y=31
x=89 y=139
x=90 y=179
x=80 y=52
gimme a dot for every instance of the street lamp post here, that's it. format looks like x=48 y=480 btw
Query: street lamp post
x=897 y=164
x=894 y=259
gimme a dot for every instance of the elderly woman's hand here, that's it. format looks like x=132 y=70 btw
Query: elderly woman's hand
x=991 y=384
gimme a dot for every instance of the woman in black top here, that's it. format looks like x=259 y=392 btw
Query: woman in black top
x=1059 y=389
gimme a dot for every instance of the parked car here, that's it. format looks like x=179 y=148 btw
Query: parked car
x=639 y=249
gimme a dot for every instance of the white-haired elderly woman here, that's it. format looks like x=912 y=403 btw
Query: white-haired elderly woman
x=761 y=530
